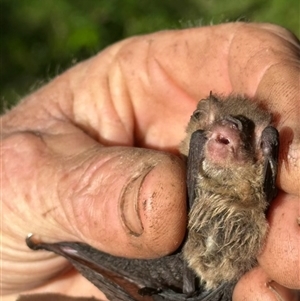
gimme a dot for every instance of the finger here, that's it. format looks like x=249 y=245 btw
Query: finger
x=256 y=285
x=277 y=277
x=280 y=257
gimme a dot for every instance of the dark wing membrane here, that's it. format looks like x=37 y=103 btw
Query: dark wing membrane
x=194 y=159
x=221 y=293
x=197 y=142
x=189 y=280
x=120 y=278
x=110 y=283
x=270 y=149
x=123 y=279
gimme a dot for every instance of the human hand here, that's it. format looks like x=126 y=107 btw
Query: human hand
x=70 y=149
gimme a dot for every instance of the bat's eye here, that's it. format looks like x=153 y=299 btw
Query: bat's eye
x=197 y=114
x=234 y=122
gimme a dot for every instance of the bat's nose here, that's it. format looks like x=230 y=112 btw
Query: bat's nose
x=224 y=142
x=227 y=134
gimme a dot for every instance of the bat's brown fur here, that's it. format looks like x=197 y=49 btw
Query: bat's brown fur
x=227 y=224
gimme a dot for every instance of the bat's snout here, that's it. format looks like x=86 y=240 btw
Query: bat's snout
x=224 y=142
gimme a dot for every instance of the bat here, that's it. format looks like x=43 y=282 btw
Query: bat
x=231 y=184
x=231 y=150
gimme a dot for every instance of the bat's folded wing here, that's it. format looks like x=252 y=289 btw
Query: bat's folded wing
x=132 y=279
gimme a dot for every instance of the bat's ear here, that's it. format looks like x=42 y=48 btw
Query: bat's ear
x=212 y=97
x=207 y=112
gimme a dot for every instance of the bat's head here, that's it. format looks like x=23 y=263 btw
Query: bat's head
x=235 y=144
x=233 y=127
x=234 y=117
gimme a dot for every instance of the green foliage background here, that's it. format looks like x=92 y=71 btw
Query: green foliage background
x=41 y=38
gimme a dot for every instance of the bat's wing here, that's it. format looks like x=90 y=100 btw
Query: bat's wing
x=123 y=279
x=195 y=156
x=115 y=287
x=221 y=293
x=270 y=149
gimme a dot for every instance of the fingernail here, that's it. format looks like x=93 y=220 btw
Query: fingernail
x=129 y=204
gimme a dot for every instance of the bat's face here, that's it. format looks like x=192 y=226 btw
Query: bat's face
x=228 y=181
x=236 y=122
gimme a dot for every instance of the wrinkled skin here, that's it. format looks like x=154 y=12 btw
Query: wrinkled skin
x=68 y=152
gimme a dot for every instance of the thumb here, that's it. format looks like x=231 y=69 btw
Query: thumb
x=129 y=197
x=123 y=200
